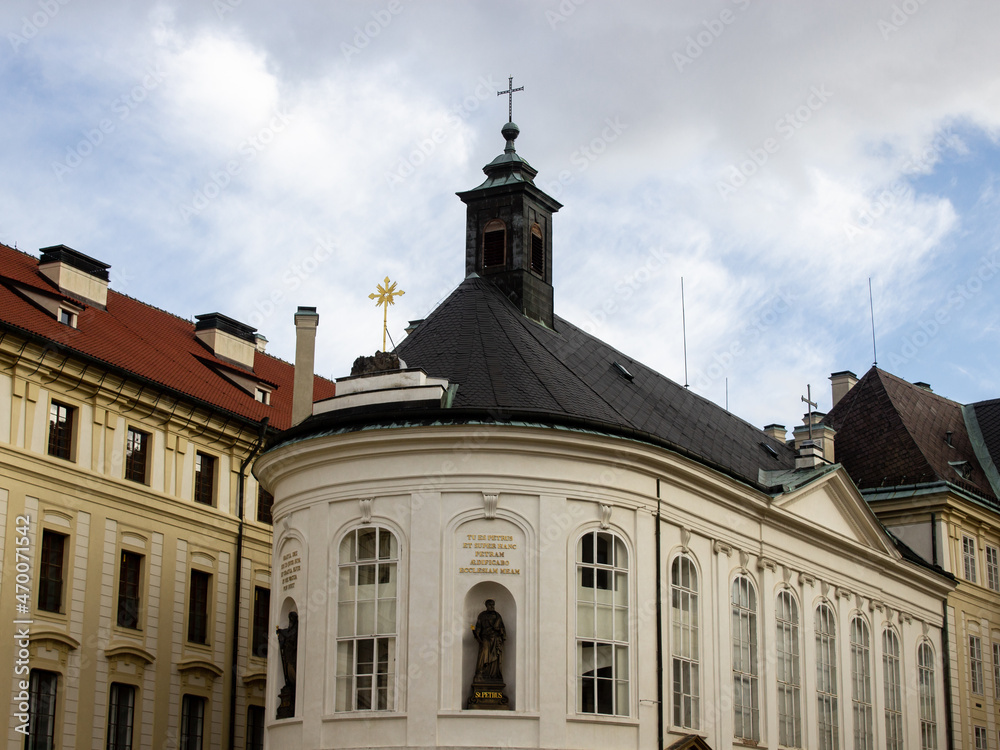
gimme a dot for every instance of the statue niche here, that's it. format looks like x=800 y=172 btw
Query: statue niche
x=288 y=646
x=487 y=685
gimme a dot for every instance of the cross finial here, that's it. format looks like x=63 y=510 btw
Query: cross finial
x=385 y=297
x=812 y=405
x=510 y=97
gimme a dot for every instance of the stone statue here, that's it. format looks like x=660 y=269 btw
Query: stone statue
x=490 y=633
x=288 y=645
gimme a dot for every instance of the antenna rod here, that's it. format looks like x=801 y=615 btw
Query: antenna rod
x=684 y=329
x=871 y=305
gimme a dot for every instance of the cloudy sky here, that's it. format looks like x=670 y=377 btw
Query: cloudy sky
x=247 y=157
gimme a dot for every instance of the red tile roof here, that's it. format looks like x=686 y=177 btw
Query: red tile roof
x=892 y=433
x=144 y=341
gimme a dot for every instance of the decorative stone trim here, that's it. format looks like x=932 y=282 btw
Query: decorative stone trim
x=605 y=516
x=766 y=563
x=807 y=580
x=685 y=538
x=721 y=548
x=490 y=500
x=744 y=559
x=366 y=509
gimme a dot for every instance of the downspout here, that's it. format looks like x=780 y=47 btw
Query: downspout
x=659 y=628
x=240 y=493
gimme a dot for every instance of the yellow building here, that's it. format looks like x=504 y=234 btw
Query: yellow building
x=133 y=532
x=927 y=467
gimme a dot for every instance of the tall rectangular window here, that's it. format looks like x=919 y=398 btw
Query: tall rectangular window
x=50 y=571
x=192 y=722
x=61 y=430
x=204 y=478
x=861 y=685
x=976 y=664
x=826 y=678
x=979 y=734
x=198 y=607
x=121 y=712
x=685 y=661
x=264 y=502
x=261 y=620
x=136 y=455
x=928 y=708
x=787 y=671
x=969 y=558
x=746 y=701
x=255 y=728
x=366 y=620
x=42 y=687
x=996 y=670
x=992 y=569
x=129 y=586
x=891 y=673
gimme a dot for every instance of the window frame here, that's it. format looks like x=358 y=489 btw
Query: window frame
x=862 y=702
x=536 y=252
x=192 y=735
x=376 y=686
x=892 y=671
x=926 y=696
x=52 y=572
x=264 y=506
x=260 y=623
x=205 y=469
x=788 y=631
x=827 y=697
x=47 y=740
x=129 y=591
x=992 y=567
x=744 y=610
x=255 y=727
x=610 y=693
x=137 y=467
x=969 y=558
x=62 y=430
x=494 y=227
x=685 y=645
x=117 y=712
x=199 y=611
x=977 y=682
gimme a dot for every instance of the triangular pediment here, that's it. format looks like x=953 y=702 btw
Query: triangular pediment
x=832 y=504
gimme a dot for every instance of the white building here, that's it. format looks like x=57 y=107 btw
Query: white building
x=663 y=568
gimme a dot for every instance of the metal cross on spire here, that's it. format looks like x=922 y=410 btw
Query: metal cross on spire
x=386 y=294
x=510 y=97
x=812 y=405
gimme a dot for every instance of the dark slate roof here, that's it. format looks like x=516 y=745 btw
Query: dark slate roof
x=891 y=433
x=508 y=368
x=988 y=416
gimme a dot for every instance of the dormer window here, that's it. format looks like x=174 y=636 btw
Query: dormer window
x=67 y=318
x=263 y=395
x=494 y=244
x=537 y=251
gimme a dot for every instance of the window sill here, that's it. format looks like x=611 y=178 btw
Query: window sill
x=626 y=721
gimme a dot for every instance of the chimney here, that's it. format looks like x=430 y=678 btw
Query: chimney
x=76 y=275
x=227 y=339
x=260 y=340
x=821 y=438
x=809 y=456
x=777 y=432
x=841 y=383
x=306 y=322
x=925 y=386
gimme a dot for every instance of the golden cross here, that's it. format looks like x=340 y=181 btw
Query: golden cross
x=386 y=294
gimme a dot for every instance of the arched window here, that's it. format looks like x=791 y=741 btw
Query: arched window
x=891 y=671
x=494 y=244
x=789 y=678
x=602 y=637
x=366 y=620
x=861 y=684
x=537 y=250
x=684 y=642
x=826 y=678
x=928 y=709
x=746 y=703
